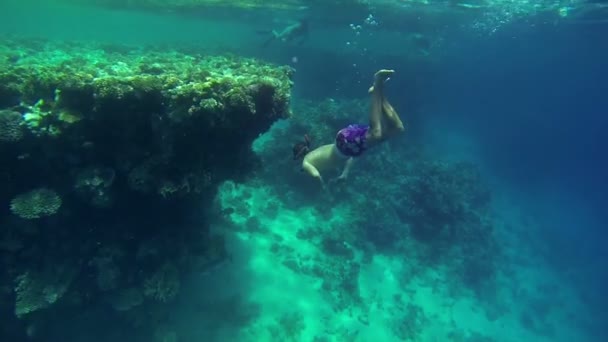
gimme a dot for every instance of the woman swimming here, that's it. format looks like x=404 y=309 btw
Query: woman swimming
x=353 y=140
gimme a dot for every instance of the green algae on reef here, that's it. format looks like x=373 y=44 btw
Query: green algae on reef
x=65 y=73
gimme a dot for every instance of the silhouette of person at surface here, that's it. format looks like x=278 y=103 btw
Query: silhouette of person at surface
x=294 y=33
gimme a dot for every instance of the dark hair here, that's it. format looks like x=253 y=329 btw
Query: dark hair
x=301 y=148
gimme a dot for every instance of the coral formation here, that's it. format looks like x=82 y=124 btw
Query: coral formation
x=36 y=203
x=10 y=126
x=159 y=115
x=439 y=195
x=37 y=290
x=125 y=140
x=40 y=120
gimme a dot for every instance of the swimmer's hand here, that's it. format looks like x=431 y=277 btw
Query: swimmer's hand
x=345 y=172
x=339 y=179
x=322 y=182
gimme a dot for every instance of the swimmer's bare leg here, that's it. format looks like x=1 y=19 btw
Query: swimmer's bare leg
x=375 y=117
x=392 y=117
x=376 y=132
x=394 y=123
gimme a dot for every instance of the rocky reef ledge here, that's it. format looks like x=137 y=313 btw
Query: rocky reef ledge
x=167 y=123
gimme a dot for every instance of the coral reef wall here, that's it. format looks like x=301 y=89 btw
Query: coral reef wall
x=104 y=151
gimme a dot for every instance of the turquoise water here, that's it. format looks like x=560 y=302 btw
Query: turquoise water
x=172 y=208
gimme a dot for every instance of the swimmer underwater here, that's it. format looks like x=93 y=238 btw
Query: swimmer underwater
x=295 y=33
x=353 y=140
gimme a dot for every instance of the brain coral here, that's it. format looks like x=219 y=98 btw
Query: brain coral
x=36 y=203
x=10 y=125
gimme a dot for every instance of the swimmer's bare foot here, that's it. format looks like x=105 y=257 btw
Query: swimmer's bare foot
x=383 y=75
x=380 y=77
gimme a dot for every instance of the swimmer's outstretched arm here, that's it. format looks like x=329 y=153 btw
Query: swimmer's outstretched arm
x=347 y=167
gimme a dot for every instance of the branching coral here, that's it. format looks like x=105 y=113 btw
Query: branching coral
x=36 y=204
x=41 y=120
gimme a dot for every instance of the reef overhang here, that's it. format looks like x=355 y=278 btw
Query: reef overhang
x=169 y=123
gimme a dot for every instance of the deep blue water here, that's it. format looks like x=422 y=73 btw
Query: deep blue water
x=535 y=102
